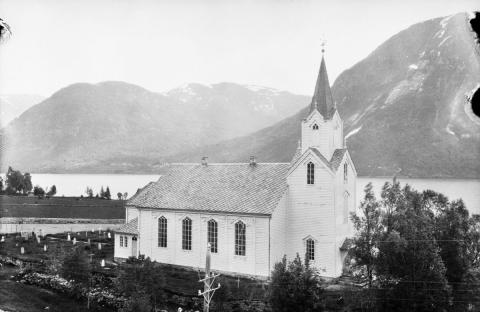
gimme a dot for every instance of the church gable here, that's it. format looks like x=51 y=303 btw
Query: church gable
x=311 y=155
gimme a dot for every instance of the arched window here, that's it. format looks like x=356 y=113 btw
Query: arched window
x=187 y=234
x=315 y=127
x=346 y=197
x=212 y=235
x=310 y=249
x=240 y=238
x=345 y=173
x=162 y=232
x=310 y=173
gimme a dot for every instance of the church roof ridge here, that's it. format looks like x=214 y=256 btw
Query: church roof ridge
x=226 y=164
x=238 y=188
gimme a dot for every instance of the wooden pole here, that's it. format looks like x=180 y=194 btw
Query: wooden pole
x=206 y=287
x=208 y=291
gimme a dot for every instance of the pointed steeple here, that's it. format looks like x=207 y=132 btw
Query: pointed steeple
x=322 y=98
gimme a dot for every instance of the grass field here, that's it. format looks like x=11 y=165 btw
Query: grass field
x=61 y=207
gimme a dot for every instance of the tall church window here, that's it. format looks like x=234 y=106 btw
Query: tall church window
x=187 y=234
x=212 y=235
x=345 y=173
x=240 y=238
x=310 y=173
x=121 y=241
x=310 y=249
x=346 y=198
x=315 y=127
x=126 y=241
x=162 y=232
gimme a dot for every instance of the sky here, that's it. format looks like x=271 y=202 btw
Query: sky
x=161 y=45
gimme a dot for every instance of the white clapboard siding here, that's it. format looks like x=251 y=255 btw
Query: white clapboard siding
x=278 y=232
x=255 y=262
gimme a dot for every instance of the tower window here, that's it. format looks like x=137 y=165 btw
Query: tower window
x=240 y=238
x=310 y=173
x=212 y=235
x=187 y=234
x=310 y=249
x=315 y=127
x=345 y=173
x=162 y=232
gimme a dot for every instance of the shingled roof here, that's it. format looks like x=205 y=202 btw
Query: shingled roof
x=322 y=158
x=337 y=157
x=129 y=228
x=232 y=188
x=322 y=99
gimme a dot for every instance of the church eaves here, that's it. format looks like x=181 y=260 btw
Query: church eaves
x=322 y=98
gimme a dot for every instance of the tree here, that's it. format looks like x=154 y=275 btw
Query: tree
x=102 y=192
x=295 y=286
x=369 y=229
x=125 y=195
x=76 y=266
x=15 y=181
x=458 y=238
x=138 y=302
x=52 y=191
x=406 y=265
x=119 y=195
x=89 y=191
x=141 y=276
x=1 y=184
x=107 y=193
x=38 y=191
x=5 y=31
x=27 y=183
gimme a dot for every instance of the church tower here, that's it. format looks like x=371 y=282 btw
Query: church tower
x=322 y=128
x=321 y=186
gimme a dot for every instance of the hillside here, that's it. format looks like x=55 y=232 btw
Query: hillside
x=113 y=126
x=404 y=108
x=13 y=105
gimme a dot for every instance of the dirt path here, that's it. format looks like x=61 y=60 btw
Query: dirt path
x=26 y=298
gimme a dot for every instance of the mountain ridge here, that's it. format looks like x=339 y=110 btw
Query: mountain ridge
x=404 y=108
x=422 y=74
x=84 y=124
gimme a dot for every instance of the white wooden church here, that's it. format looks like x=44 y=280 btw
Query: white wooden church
x=252 y=213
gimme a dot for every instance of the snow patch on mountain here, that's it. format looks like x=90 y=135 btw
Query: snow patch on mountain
x=405 y=86
x=256 y=88
x=443 y=41
x=444 y=21
x=353 y=132
x=439 y=33
x=449 y=130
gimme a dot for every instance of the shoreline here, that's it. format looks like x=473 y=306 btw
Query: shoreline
x=159 y=174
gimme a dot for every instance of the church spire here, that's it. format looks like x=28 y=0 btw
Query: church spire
x=322 y=98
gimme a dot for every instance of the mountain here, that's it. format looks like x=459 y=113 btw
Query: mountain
x=12 y=105
x=404 y=106
x=113 y=126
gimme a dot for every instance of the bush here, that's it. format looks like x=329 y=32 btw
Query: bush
x=76 y=266
x=295 y=287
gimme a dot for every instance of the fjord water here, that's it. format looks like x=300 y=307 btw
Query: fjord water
x=75 y=185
